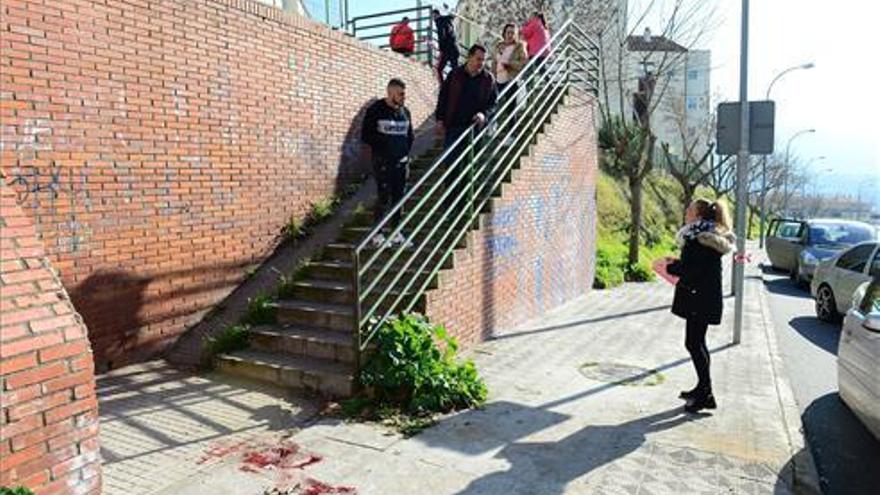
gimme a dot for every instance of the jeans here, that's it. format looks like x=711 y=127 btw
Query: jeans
x=695 y=343
x=391 y=187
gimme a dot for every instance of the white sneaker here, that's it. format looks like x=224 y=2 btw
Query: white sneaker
x=378 y=240
x=400 y=240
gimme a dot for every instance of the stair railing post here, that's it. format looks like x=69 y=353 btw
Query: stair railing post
x=470 y=172
x=356 y=331
x=429 y=41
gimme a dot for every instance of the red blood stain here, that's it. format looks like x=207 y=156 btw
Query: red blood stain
x=315 y=487
x=287 y=455
x=221 y=450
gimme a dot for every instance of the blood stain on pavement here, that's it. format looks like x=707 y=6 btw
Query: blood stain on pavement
x=315 y=487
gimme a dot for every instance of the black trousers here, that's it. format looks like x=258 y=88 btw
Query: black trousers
x=391 y=187
x=448 y=57
x=695 y=342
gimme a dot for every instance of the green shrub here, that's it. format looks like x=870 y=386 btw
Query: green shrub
x=293 y=229
x=19 y=490
x=231 y=338
x=409 y=370
x=261 y=310
x=322 y=209
x=640 y=272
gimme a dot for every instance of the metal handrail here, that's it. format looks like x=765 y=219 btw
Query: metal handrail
x=423 y=29
x=471 y=177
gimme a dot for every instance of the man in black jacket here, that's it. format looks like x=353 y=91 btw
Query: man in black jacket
x=467 y=97
x=388 y=129
x=447 y=41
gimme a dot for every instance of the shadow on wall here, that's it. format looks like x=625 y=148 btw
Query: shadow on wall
x=355 y=160
x=129 y=319
x=110 y=304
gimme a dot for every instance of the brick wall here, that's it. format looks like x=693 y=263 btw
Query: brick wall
x=535 y=251
x=160 y=146
x=48 y=410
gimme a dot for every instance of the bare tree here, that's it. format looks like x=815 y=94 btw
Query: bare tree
x=629 y=143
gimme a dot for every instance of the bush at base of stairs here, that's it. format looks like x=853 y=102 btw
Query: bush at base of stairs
x=408 y=370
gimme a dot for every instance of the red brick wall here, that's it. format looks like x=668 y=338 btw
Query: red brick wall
x=48 y=410
x=535 y=251
x=160 y=146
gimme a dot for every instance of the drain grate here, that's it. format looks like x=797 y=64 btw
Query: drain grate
x=622 y=374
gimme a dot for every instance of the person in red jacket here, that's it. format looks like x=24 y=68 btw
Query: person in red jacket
x=403 y=40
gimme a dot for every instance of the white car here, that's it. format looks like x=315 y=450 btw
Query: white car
x=836 y=279
x=858 y=356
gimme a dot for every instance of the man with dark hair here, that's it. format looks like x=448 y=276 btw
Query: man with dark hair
x=388 y=129
x=467 y=96
x=447 y=42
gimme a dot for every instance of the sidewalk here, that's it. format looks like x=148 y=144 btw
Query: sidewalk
x=582 y=401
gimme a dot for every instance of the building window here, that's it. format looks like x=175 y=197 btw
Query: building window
x=692 y=75
x=691 y=103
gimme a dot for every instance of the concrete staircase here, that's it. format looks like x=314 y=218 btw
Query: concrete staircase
x=312 y=346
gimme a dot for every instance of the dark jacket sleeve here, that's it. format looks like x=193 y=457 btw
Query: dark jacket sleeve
x=410 y=135
x=493 y=98
x=440 y=111
x=369 y=134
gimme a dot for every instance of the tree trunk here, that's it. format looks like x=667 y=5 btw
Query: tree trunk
x=688 y=198
x=635 y=210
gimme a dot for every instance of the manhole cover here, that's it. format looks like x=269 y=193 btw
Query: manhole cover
x=621 y=374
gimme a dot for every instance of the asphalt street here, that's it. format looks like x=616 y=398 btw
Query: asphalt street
x=847 y=456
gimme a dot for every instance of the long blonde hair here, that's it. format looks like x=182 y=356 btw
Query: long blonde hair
x=715 y=211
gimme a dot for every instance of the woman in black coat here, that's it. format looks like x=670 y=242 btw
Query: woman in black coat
x=704 y=239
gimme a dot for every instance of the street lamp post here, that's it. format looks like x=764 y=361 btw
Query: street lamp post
x=808 y=65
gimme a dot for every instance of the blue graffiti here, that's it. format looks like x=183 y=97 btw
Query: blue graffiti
x=551 y=161
x=507 y=216
x=501 y=246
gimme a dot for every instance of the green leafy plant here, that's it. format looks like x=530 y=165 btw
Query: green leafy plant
x=19 y=490
x=287 y=282
x=231 y=338
x=293 y=229
x=322 y=209
x=410 y=371
x=261 y=310
x=640 y=272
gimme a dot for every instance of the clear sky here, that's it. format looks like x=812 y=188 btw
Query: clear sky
x=839 y=97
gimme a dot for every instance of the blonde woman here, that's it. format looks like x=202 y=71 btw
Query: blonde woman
x=704 y=239
x=510 y=57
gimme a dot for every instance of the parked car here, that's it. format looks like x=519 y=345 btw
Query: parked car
x=858 y=356
x=797 y=246
x=837 y=278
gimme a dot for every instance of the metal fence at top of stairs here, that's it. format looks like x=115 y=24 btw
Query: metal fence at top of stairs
x=376 y=29
x=446 y=201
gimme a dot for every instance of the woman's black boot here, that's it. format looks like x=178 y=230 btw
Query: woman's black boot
x=698 y=403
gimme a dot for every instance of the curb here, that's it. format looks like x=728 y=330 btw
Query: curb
x=805 y=477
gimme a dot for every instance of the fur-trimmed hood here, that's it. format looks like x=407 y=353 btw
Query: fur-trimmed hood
x=723 y=242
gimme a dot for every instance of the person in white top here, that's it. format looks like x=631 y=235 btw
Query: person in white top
x=510 y=57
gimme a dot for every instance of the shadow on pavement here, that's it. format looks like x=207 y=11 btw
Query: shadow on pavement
x=571 y=324
x=846 y=453
x=550 y=466
x=794 y=478
x=820 y=333
x=786 y=287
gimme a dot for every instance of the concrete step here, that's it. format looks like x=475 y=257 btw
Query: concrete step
x=357 y=234
x=298 y=340
x=298 y=372
x=316 y=314
x=330 y=270
x=335 y=292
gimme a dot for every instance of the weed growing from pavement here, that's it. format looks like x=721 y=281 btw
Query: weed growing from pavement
x=19 y=490
x=231 y=338
x=261 y=310
x=412 y=376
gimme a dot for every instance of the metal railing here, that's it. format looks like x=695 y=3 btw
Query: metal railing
x=445 y=203
x=376 y=29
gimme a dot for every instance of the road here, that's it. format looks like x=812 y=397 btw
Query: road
x=847 y=455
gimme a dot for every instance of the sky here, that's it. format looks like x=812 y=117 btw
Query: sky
x=839 y=97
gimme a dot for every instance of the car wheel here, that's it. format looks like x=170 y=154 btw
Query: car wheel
x=826 y=307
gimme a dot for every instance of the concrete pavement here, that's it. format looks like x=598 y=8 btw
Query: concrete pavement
x=581 y=401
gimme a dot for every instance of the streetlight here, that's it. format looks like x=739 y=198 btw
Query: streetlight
x=808 y=65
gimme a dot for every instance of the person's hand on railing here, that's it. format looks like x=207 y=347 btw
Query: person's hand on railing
x=480 y=119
